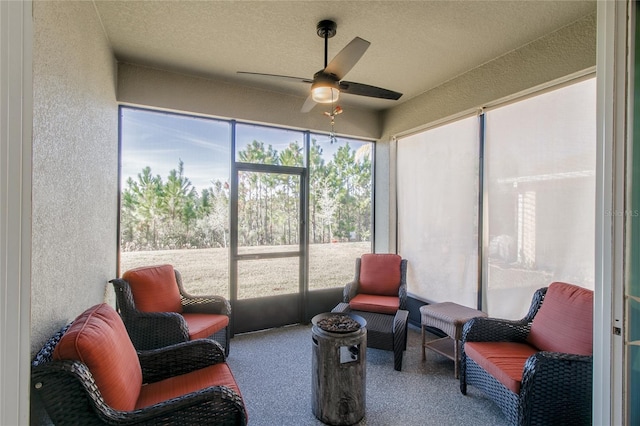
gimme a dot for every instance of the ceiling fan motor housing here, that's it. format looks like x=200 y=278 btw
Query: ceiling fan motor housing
x=326 y=78
x=326 y=28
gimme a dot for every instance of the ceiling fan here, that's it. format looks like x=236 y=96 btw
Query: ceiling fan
x=327 y=84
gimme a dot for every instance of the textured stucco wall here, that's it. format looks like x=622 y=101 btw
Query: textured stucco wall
x=75 y=164
x=569 y=50
x=150 y=87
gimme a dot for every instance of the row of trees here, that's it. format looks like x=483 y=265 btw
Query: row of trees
x=169 y=213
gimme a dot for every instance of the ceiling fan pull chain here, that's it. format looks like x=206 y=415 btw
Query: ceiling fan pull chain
x=332 y=135
x=334 y=111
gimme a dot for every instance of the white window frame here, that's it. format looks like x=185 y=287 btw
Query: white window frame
x=16 y=111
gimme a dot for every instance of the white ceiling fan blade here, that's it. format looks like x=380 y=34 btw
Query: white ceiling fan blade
x=342 y=63
x=308 y=104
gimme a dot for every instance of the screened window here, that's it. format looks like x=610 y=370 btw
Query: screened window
x=175 y=196
x=540 y=159
x=438 y=211
x=340 y=208
x=176 y=201
x=535 y=175
x=268 y=203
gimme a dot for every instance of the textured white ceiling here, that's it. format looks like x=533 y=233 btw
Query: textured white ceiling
x=415 y=45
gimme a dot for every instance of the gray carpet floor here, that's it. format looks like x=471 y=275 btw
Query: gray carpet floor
x=273 y=371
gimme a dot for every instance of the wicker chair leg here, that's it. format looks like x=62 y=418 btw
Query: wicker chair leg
x=463 y=373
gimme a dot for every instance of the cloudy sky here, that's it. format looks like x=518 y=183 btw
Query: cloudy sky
x=160 y=140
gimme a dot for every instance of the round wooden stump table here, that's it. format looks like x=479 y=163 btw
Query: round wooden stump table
x=339 y=372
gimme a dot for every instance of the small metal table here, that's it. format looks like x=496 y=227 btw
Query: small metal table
x=448 y=317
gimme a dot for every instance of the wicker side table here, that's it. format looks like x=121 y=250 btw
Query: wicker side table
x=448 y=317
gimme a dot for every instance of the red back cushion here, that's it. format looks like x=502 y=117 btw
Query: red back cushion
x=99 y=339
x=564 y=322
x=154 y=288
x=380 y=274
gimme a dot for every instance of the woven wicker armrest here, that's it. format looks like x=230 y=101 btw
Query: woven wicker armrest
x=70 y=393
x=202 y=304
x=205 y=304
x=557 y=388
x=178 y=359
x=400 y=322
x=536 y=302
x=544 y=366
x=402 y=291
x=218 y=405
x=483 y=329
x=402 y=295
x=155 y=329
x=349 y=291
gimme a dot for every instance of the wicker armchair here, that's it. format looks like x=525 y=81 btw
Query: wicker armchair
x=157 y=310
x=378 y=293
x=379 y=268
x=545 y=377
x=78 y=393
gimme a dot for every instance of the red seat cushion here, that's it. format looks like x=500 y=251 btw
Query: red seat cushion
x=380 y=274
x=154 y=288
x=214 y=375
x=564 y=322
x=373 y=303
x=204 y=325
x=99 y=339
x=502 y=360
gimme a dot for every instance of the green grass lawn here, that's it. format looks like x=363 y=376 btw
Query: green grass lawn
x=206 y=271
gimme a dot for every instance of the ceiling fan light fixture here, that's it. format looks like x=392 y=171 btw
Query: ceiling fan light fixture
x=324 y=92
